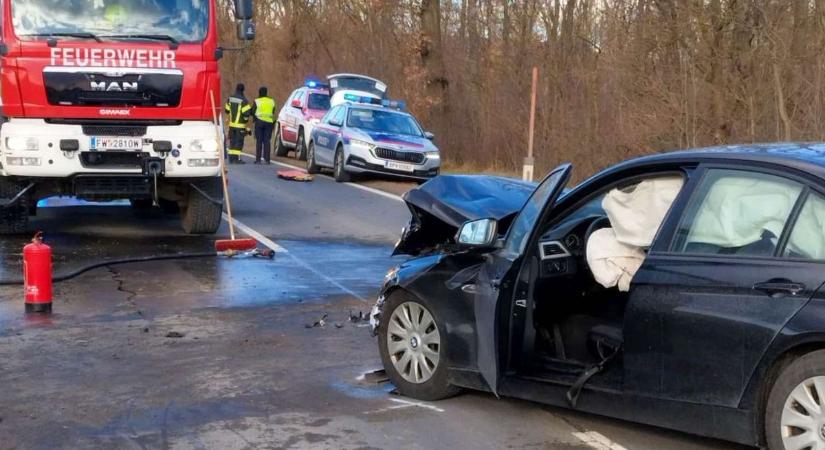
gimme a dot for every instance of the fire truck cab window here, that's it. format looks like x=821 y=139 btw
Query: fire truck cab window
x=180 y=20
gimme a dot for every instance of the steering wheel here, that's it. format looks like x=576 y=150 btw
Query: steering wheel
x=596 y=224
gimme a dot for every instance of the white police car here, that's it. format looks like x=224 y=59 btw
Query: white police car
x=368 y=135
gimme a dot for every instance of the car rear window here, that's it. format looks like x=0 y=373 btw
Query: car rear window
x=318 y=101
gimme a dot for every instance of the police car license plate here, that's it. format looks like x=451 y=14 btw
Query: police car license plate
x=116 y=143
x=392 y=165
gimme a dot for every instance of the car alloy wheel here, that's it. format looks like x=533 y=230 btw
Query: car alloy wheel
x=803 y=416
x=413 y=342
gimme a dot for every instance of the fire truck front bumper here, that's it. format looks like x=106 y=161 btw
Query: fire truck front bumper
x=40 y=148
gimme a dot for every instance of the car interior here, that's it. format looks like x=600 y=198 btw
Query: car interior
x=580 y=276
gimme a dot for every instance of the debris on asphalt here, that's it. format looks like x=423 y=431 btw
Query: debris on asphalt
x=374 y=377
x=355 y=319
x=320 y=323
x=295 y=175
x=175 y=334
x=145 y=329
x=339 y=325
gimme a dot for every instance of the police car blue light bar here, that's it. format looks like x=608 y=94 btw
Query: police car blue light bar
x=315 y=84
x=362 y=99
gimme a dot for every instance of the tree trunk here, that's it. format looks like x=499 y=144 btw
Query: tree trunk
x=432 y=59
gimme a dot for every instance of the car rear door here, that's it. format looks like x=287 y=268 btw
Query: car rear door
x=720 y=284
x=328 y=136
x=495 y=282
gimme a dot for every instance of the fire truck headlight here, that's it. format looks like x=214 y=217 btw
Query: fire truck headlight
x=204 y=145
x=17 y=143
x=22 y=161
x=314 y=121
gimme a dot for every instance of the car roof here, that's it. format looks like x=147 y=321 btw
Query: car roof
x=337 y=75
x=804 y=156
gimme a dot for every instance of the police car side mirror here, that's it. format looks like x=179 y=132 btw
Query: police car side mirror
x=429 y=135
x=243 y=9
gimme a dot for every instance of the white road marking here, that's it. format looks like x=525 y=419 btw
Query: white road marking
x=355 y=185
x=598 y=441
x=279 y=249
x=418 y=404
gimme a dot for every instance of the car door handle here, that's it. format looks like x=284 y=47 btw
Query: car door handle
x=779 y=287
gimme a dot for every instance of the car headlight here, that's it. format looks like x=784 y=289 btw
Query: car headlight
x=22 y=143
x=390 y=274
x=432 y=155
x=204 y=145
x=360 y=144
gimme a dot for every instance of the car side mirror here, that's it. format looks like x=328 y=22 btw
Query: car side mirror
x=243 y=9
x=429 y=135
x=478 y=233
x=335 y=123
x=296 y=103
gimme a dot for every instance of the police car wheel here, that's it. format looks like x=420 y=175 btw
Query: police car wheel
x=280 y=148
x=312 y=166
x=300 y=147
x=341 y=174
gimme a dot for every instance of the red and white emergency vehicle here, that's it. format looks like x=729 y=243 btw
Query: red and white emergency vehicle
x=110 y=99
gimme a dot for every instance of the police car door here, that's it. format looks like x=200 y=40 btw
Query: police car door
x=328 y=137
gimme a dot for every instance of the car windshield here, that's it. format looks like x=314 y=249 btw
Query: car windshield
x=383 y=121
x=180 y=20
x=318 y=101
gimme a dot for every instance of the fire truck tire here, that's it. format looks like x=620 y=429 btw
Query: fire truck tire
x=200 y=215
x=280 y=148
x=14 y=219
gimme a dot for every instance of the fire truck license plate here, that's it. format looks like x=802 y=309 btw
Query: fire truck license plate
x=400 y=166
x=116 y=143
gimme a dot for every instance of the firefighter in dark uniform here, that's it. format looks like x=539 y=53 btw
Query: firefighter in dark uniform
x=238 y=109
x=264 y=113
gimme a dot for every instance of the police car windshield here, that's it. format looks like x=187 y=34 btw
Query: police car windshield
x=383 y=121
x=180 y=20
x=318 y=101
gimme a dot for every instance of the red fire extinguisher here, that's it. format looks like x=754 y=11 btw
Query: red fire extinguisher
x=37 y=274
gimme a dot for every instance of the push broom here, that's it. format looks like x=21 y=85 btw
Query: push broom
x=230 y=245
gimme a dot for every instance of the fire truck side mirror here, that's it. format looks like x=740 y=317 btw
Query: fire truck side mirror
x=243 y=9
x=246 y=30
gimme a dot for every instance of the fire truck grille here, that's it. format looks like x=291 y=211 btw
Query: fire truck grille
x=114 y=130
x=103 y=187
x=395 y=155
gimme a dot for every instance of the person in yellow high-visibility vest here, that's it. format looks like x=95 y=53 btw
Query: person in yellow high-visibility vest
x=263 y=110
x=238 y=109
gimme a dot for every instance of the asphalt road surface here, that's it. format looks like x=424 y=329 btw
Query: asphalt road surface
x=244 y=353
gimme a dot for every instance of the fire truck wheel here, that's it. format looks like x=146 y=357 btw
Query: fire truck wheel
x=14 y=219
x=280 y=148
x=200 y=215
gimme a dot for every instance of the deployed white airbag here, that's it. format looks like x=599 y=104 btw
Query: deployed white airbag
x=612 y=262
x=637 y=212
x=615 y=254
x=737 y=210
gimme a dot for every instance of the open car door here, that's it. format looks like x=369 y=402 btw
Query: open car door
x=496 y=280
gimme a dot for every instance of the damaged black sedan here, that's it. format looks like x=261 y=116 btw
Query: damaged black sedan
x=682 y=290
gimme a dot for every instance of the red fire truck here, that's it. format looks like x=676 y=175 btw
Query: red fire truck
x=110 y=99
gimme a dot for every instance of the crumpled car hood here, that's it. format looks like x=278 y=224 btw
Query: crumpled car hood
x=440 y=206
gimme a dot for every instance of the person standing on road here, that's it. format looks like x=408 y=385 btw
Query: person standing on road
x=238 y=109
x=264 y=112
